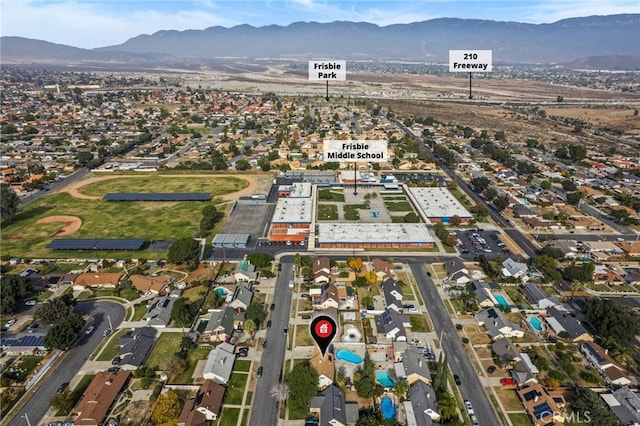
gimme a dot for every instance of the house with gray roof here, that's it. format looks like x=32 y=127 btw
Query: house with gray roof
x=332 y=409
x=457 y=271
x=511 y=268
x=523 y=374
x=392 y=293
x=222 y=324
x=483 y=293
x=560 y=320
x=413 y=367
x=159 y=312
x=497 y=325
x=135 y=347
x=625 y=404
x=536 y=296
x=392 y=324
x=505 y=351
x=421 y=408
x=219 y=364
x=242 y=296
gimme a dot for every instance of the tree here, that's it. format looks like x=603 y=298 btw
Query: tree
x=400 y=389
x=455 y=220
x=501 y=203
x=184 y=250
x=54 y=310
x=355 y=263
x=589 y=405
x=63 y=401
x=182 y=312
x=611 y=321
x=574 y=197
x=12 y=288
x=255 y=313
x=411 y=218
x=479 y=184
x=568 y=185
x=302 y=381
x=481 y=211
x=260 y=260
x=64 y=332
x=210 y=217
x=243 y=164
x=279 y=391
x=9 y=202
x=249 y=326
x=167 y=408
x=371 y=277
x=365 y=379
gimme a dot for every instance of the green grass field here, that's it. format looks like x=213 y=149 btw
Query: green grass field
x=103 y=219
x=333 y=195
x=327 y=212
x=398 y=206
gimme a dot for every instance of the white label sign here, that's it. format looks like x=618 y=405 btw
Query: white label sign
x=374 y=151
x=470 y=61
x=327 y=70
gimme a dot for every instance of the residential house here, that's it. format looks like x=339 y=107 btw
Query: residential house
x=382 y=269
x=604 y=275
x=332 y=409
x=222 y=324
x=204 y=407
x=97 y=280
x=511 y=268
x=542 y=409
x=413 y=367
x=457 y=271
x=483 y=293
x=159 y=312
x=568 y=247
x=625 y=404
x=506 y=353
x=421 y=406
x=631 y=249
x=219 y=364
x=561 y=320
x=151 y=284
x=392 y=325
x=321 y=269
x=497 y=325
x=245 y=271
x=99 y=397
x=324 y=366
x=536 y=296
x=608 y=368
x=56 y=280
x=242 y=296
x=392 y=293
x=26 y=342
x=328 y=298
x=135 y=347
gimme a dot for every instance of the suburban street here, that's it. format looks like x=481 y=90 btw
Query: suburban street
x=457 y=358
x=38 y=405
x=264 y=410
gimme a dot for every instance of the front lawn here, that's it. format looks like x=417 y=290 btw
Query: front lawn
x=235 y=388
x=164 y=349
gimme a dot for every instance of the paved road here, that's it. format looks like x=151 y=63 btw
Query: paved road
x=38 y=405
x=459 y=362
x=264 y=410
x=53 y=186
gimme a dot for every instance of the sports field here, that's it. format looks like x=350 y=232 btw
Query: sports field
x=29 y=234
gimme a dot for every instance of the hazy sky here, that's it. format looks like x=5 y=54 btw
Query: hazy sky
x=96 y=23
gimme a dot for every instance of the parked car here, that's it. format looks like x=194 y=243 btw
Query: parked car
x=306 y=316
x=113 y=369
x=268 y=323
x=491 y=369
x=469 y=407
x=62 y=387
x=259 y=372
x=273 y=306
x=456 y=379
x=285 y=331
x=508 y=381
x=106 y=332
x=264 y=344
x=10 y=323
x=90 y=330
x=31 y=303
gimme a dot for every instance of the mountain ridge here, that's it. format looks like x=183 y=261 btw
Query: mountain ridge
x=564 y=41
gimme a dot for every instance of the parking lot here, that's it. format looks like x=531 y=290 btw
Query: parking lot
x=474 y=242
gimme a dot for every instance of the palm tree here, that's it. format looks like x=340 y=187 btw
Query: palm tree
x=575 y=286
x=250 y=326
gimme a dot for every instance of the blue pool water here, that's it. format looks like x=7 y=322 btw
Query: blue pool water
x=535 y=323
x=348 y=356
x=388 y=410
x=501 y=300
x=383 y=378
x=374 y=214
x=221 y=291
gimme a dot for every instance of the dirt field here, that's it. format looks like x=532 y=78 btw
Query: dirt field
x=71 y=224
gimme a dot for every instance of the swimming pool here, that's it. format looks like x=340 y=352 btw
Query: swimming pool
x=535 y=323
x=221 y=291
x=388 y=410
x=348 y=356
x=501 y=300
x=383 y=378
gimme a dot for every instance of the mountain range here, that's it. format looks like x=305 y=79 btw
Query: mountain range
x=615 y=39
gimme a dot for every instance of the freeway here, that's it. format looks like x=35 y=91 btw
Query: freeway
x=38 y=404
x=460 y=364
x=264 y=409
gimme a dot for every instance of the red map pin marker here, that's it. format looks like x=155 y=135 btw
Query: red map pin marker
x=323 y=330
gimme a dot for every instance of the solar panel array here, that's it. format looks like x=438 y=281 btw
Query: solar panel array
x=157 y=196
x=95 y=244
x=23 y=341
x=542 y=410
